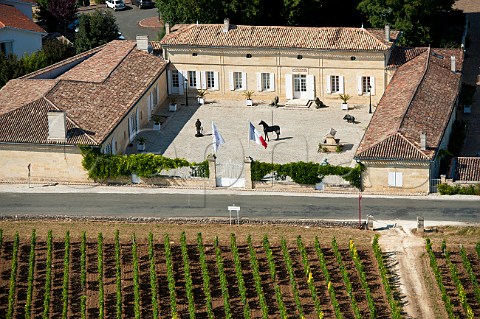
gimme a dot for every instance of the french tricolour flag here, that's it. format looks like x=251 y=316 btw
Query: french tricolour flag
x=255 y=136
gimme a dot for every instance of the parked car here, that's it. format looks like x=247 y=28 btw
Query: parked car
x=115 y=4
x=143 y=3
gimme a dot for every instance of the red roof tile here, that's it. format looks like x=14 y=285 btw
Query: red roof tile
x=401 y=55
x=420 y=98
x=467 y=169
x=11 y=17
x=93 y=108
x=352 y=39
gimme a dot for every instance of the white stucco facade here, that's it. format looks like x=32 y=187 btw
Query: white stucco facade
x=22 y=41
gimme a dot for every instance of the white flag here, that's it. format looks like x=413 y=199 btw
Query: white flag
x=217 y=138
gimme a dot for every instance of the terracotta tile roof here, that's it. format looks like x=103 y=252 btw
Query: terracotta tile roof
x=93 y=108
x=11 y=17
x=401 y=55
x=352 y=39
x=19 y=92
x=420 y=98
x=467 y=169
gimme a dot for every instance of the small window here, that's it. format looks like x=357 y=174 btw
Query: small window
x=192 y=79
x=299 y=56
x=237 y=80
x=366 y=85
x=194 y=54
x=175 y=80
x=210 y=79
x=6 y=47
x=266 y=82
x=334 y=84
x=249 y=56
x=353 y=58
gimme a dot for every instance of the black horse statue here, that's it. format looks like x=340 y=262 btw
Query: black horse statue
x=266 y=129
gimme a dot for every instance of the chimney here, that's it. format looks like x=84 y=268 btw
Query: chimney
x=387 y=33
x=453 y=65
x=423 y=141
x=226 y=25
x=57 y=125
x=142 y=42
x=167 y=28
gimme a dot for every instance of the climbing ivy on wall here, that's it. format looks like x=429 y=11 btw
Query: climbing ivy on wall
x=307 y=172
x=103 y=166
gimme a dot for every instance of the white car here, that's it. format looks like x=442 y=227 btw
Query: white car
x=115 y=4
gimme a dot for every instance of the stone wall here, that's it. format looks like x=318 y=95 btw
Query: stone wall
x=415 y=178
x=49 y=163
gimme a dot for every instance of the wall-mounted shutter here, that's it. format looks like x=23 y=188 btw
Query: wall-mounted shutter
x=359 y=85
x=215 y=81
x=158 y=93
x=272 y=82
x=310 y=87
x=149 y=105
x=230 y=81
x=399 y=179
x=198 y=80
x=259 y=82
x=288 y=86
x=341 y=85
x=372 y=84
x=114 y=149
x=328 y=87
x=204 y=80
x=244 y=80
x=181 y=81
x=169 y=80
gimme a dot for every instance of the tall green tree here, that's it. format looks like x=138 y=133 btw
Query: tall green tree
x=95 y=29
x=416 y=18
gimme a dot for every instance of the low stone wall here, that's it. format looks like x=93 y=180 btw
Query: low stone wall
x=194 y=221
x=162 y=181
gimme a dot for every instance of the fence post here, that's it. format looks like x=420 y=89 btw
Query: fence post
x=248 y=172
x=212 y=167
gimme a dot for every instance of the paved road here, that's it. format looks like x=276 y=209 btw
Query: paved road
x=253 y=206
x=129 y=18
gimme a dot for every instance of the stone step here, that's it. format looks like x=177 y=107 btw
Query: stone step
x=297 y=103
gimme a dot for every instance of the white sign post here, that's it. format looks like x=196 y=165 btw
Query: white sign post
x=237 y=209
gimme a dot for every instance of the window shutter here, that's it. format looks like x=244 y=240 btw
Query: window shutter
x=244 y=80
x=215 y=81
x=259 y=82
x=341 y=85
x=399 y=179
x=114 y=150
x=169 y=78
x=328 y=84
x=288 y=86
x=138 y=121
x=203 y=82
x=372 y=84
x=391 y=178
x=230 y=81
x=158 y=93
x=149 y=104
x=311 y=87
x=359 y=85
x=272 y=82
x=198 y=80
x=181 y=81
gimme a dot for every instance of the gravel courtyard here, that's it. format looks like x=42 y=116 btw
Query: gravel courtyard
x=302 y=129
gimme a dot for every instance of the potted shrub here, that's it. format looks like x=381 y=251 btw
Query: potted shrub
x=156 y=122
x=248 y=95
x=173 y=105
x=201 y=96
x=345 y=98
x=141 y=143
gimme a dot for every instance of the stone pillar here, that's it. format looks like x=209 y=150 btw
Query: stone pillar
x=248 y=172
x=212 y=168
x=369 y=222
x=420 y=224
x=443 y=178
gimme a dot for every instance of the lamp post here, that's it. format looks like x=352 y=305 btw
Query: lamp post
x=370 y=94
x=186 y=95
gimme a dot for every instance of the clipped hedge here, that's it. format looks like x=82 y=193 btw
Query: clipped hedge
x=446 y=189
x=307 y=172
x=103 y=166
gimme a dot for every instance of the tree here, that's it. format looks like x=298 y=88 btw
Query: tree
x=416 y=18
x=63 y=10
x=95 y=29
